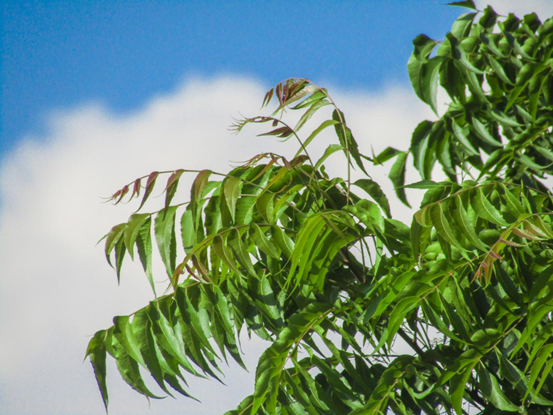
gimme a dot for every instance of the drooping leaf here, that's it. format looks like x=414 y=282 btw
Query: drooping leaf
x=164 y=226
x=351 y=149
x=373 y=190
x=397 y=176
x=150 y=183
x=96 y=351
x=144 y=247
x=114 y=235
x=132 y=230
x=171 y=187
x=231 y=191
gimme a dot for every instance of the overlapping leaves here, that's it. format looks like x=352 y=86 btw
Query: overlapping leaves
x=498 y=74
x=307 y=262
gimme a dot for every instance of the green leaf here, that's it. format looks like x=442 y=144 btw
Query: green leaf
x=388 y=382
x=314 y=97
x=315 y=133
x=488 y=19
x=457 y=386
x=124 y=334
x=142 y=327
x=515 y=376
x=196 y=194
x=546 y=372
x=430 y=73
x=543 y=356
x=164 y=226
x=331 y=149
x=96 y=350
x=128 y=368
x=485 y=209
x=545 y=152
x=272 y=361
x=224 y=253
x=373 y=190
x=231 y=191
x=426 y=184
x=475 y=86
x=490 y=44
x=119 y=255
x=188 y=232
x=150 y=183
x=385 y=155
x=513 y=204
x=499 y=70
x=266 y=300
x=263 y=243
x=424 y=78
x=419 y=148
x=483 y=133
x=265 y=206
x=526 y=73
x=144 y=248
x=309 y=234
x=397 y=316
x=535 y=317
x=504 y=119
x=171 y=187
x=241 y=252
x=423 y=46
x=469 y=4
x=168 y=339
x=492 y=391
x=397 y=176
x=114 y=235
x=466 y=226
x=462 y=25
x=309 y=113
x=346 y=139
x=462 y=135
x=282 y=240
x=439 y=220
x=195 y=333
x=460 y=56
x=132 y=230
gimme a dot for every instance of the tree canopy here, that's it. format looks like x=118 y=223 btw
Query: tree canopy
x=365 y=314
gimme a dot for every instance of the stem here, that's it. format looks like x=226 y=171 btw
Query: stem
x=413 y=345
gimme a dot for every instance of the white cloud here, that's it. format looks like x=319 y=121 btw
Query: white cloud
x=56 y=289
x=543 y=8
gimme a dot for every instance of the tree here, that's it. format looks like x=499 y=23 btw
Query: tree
x=311 y=264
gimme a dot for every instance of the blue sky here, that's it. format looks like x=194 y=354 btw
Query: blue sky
x=58 y=54
x=97 y=93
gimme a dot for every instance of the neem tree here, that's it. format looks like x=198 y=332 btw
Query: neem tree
x=280 y=249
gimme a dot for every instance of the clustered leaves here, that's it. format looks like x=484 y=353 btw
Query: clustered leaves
x=498 y=75
x=363 y=313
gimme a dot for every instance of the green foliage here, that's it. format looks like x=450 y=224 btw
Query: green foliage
x=282 y=250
